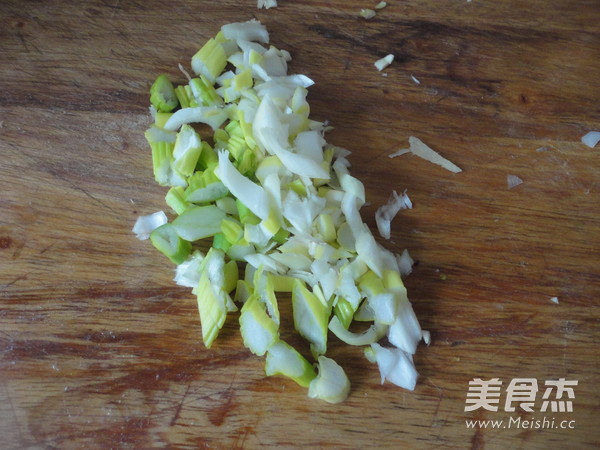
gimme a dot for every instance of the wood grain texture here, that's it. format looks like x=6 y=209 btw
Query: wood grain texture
x=99 y=349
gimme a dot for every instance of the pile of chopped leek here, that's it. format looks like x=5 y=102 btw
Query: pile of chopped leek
x=281 y=210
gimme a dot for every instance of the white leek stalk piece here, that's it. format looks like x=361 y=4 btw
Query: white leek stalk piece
x=371 y=335
x=214 y=116
x=591 y=139
x=199 y=222
x=187 y=273
x=259 y=331
x=283 y=359
x=331 y=384
x=310 y=317
x=395 y=365
x=266 y=4
x=386 y=213
x=145 y=225
x=382 y=63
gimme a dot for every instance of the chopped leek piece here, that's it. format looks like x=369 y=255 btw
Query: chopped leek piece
x=247 y=164
x=167 y=241
x=243 y=291
x=259 y=331
x=246 y=216
x=344 y=311
x=283 y=359
x=184 y=95
x=372 y=334
x=331 y=384
x=232 y=230
x=188 y=272
x=382 y=63
x=281 y=236
x=326 y=227
x=220 y=242
x=210 y=60
x=227 y=205
x=279 y=203
x=162 y=94
x=263 y=285
x=208 y=157
x=367 y=13
x=204 y=92
x=176 y=200
x=310 y=317
x=394 y=365
x=155 y=134
x=214 y=116
x=145 y=225
x=199 y=222
x=162 y=157
x=186 y=152
x=282 y=283
x=161 y=118
x=231 y=274
x=211 y=306
x=205 y=187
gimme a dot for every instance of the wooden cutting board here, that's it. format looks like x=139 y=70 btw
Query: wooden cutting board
x=99 y=348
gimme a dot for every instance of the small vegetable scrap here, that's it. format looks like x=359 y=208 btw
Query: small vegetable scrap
x=513 y=181
x=422 y=150
x=382 y=63
x=266 y=4
x=250 y=173
x=367 y=13
x=591 y=139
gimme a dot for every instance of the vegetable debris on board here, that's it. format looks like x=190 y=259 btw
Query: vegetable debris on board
x=382 y=63
x=267 y=4
x=591 y=139
x=422 y=150
x=282 y=212
x=367 y=13
x=513 y=181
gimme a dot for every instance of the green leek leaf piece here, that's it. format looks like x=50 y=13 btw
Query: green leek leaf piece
x=162 y=157
x=231 y=274
x=199 y=222
x=283 y=359
x=205 y=92
x=187 y=150
x=175 y=199
x=161 y=118
x=167 y=241
x=184 y=95
x=210 y=60
x=344 y=311
x=208 y=157
x=212 y=309
x=220 y=242
x=162 y=94
x=232 y=230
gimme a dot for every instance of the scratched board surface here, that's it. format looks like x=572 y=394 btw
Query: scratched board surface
x=99 y=348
